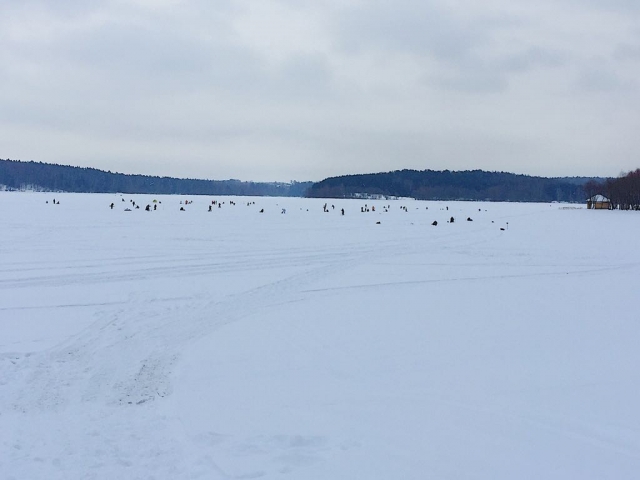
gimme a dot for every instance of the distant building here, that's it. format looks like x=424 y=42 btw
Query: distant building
x=599 y=202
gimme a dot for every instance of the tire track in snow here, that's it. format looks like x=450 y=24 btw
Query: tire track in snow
x=197 y=267
x=469 y=278
x=127 y=355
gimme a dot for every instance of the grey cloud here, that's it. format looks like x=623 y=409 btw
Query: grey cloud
x=478 y=83
x=492 y=75
x=600 y=76
x=533 y=57
x=620 y=6
x=130 y=47
x=304 y=76
x=59 y=8
x=421 y=28
x=158 y=54
x=462 y=47
x=626 y=52
x=121 y=82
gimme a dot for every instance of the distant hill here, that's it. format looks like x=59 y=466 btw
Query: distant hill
x=18 y=175
x=419 y=184
x=451 y=185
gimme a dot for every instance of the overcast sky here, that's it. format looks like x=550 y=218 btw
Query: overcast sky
x=302 y=90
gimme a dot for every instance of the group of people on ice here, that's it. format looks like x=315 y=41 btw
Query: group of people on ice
x=325 y=208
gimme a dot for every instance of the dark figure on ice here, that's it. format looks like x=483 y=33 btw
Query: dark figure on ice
x=342 y=211
x=452 y=220
x=155 y=207
x=469 y=219
x=148 y=208
x=111 y=205
x=435 y=223
x=209 y=207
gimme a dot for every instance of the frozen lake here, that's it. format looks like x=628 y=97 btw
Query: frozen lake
x=309 y=345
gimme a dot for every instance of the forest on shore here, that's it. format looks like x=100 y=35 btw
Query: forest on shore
x=19 y=175
x=474 y=185
x=452 y=185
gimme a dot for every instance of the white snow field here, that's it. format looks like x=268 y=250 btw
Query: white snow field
x=235 y=344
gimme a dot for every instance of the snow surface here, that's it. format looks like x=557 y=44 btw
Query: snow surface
x=310 y=345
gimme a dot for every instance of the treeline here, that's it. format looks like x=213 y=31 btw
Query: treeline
x=452 y=185
x=19 y=175
x=623 y=192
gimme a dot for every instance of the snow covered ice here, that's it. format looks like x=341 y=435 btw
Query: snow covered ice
x=308 y=345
